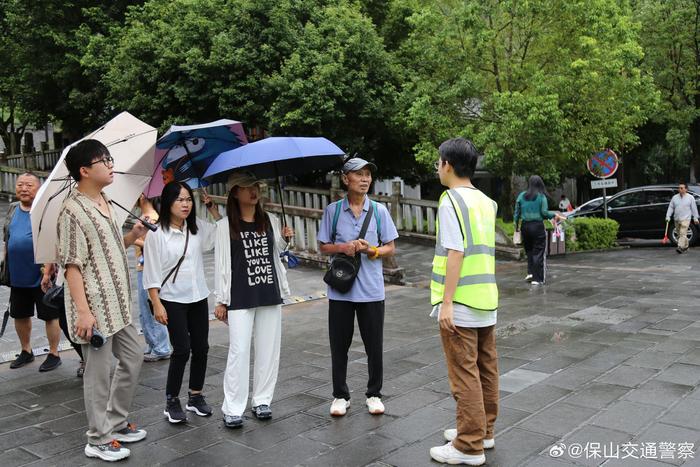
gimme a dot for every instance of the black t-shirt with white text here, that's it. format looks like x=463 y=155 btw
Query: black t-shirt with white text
x=253 y=276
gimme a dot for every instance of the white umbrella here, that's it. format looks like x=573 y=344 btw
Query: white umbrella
x=131 y=143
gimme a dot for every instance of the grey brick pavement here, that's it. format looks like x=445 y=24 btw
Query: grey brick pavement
x=607 y=352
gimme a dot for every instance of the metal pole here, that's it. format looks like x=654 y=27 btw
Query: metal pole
x=605 y=203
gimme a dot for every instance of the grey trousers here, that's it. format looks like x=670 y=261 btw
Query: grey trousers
x=107 y=400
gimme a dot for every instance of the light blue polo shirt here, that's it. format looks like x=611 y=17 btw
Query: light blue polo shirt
x=369 y=284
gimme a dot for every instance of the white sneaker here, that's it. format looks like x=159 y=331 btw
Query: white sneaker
x=109 y=452
x=528 y=277
x=375 y=406
x=339 y=407
x=129 y=434
x=451 y=433
x=448 y=454
x=536 y=283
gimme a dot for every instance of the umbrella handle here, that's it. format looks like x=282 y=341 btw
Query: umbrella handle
x=148 y=225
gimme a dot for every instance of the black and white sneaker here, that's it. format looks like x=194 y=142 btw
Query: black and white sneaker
x=129 y=434
x=262 y=412
x=173 y=410
x=109 y=452
x=197 y=404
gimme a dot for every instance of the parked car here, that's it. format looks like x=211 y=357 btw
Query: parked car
x=641 y=212
x=587 y=206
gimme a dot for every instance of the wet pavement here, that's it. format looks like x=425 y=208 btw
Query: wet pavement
x=599 y=367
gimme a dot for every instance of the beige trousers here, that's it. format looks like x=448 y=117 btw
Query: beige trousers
x=108 y=400
x=682 y=229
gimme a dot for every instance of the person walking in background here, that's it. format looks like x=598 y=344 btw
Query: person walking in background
x=683 y=209
x=565 y=204
x=531 y=209
x=173 y=274
x=250 y=283
x=154 y=333
x=26 y=278
x=341 y=225
x=92 y=252
x=464 y=296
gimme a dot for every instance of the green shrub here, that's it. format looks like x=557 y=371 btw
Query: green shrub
x=507 y=227
x=591 y=233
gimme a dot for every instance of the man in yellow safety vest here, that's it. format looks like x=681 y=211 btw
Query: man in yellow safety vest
x=464 y=296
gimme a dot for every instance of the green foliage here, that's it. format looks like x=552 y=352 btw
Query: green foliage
x=339 y=82
x=539 y=85
x=508 y=228
x=591 y=234
x=42 y=44
x=672 y=57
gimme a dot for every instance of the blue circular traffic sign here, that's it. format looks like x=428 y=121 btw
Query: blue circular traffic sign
x=604 y=164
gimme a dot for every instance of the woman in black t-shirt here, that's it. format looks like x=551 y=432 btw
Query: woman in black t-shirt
x=250 y=283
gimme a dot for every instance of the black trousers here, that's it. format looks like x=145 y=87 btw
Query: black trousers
x=341 y=326
x=535 y=243
x=188 y=327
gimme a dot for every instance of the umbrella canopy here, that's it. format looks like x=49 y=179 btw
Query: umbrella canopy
x=184 y=153
x=131 y=143
x=275 y=156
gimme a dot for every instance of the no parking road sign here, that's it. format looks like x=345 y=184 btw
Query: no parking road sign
x=604 y=164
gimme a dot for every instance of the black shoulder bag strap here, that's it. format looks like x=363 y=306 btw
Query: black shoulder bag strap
x=365 y=224
x=179 y=262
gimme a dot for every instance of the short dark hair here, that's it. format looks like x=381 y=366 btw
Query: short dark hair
x=684 y=184
x=170 y=193
x=461 y=154
x=82 y=154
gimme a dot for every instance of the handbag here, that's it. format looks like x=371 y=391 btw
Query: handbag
x=4 y=264
x=53 y=298
x=517 y=238
x=175 y=269
x=343 y=269
x=5 y=272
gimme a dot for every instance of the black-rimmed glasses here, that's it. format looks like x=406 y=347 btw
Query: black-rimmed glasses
x=107 y=161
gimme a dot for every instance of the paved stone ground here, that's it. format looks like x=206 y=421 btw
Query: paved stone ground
x=607 y=352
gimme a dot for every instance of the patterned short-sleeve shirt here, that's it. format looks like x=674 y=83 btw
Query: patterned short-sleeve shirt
x=94 y=243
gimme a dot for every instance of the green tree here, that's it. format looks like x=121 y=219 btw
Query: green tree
x=42 y=76
x=185 y=61
x=538 y=85
x=671 y=43
x=341 y=83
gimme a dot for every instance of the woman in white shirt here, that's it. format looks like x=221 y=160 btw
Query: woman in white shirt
x=250 y=283
x=173 y=274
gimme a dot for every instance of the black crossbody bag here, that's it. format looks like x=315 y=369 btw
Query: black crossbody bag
x=343 y=269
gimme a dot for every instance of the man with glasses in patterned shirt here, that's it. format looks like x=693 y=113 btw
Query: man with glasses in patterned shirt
x=92 y=251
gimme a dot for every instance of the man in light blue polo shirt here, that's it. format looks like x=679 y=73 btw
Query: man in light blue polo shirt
x=366 y=297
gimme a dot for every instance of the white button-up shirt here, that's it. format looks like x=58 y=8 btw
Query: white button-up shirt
x=163 y=249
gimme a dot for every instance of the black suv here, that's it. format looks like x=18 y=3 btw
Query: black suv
x=641 y=211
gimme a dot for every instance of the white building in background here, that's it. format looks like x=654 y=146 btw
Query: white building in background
x=34 y=137
x=383 y=187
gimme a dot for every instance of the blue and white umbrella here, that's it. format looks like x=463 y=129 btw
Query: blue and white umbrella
x=184 y=152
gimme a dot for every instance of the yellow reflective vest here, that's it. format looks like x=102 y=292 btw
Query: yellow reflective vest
x=477 y=279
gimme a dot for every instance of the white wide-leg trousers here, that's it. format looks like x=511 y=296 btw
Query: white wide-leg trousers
x=266 y=324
